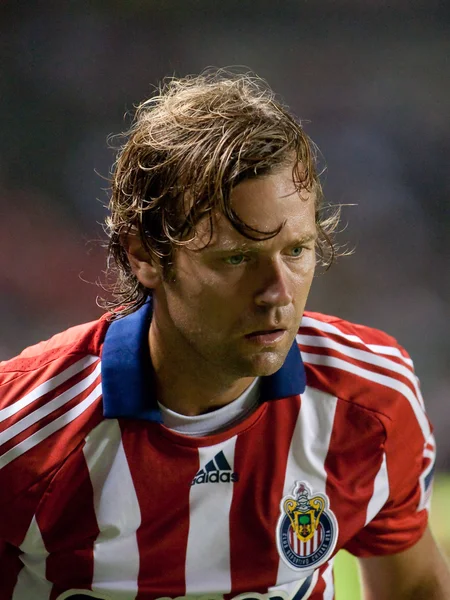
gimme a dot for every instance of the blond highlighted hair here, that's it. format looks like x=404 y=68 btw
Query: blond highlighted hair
x=197 y=138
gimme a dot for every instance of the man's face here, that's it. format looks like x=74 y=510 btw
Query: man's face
x=236 y=304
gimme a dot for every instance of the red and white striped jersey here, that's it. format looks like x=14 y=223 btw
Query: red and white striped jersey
x=98 y=499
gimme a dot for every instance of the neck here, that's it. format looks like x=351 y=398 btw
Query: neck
x=183 y=382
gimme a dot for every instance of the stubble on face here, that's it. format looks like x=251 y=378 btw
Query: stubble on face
x=206 y=311
x=212 y=305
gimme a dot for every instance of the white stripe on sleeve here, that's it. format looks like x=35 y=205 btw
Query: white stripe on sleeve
x=390 y=382
x=49 y=407
x=46 y=431
x=47 y=386
x=329 y=328
x=363 y=356
x=380 y=492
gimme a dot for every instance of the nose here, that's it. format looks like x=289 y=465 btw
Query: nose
x=275 y=287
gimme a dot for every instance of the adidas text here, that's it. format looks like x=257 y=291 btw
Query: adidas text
x=215 y=477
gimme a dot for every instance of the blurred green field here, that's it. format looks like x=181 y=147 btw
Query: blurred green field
x=346 y=570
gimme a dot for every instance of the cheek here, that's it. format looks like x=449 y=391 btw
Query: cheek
x=304 y=271
x=309 y=269
x=309 y=279
x=302 y=285
x=197 y=300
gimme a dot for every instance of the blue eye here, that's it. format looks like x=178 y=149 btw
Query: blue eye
x=297 y=251
x=236 y=259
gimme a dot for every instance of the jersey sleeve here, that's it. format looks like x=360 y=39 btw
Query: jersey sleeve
x=404 y=481
x=49 y=401
x=369 y=369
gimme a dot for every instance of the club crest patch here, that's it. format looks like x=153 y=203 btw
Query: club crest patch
x=307 y=529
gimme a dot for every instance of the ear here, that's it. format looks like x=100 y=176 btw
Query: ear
x=142 y=263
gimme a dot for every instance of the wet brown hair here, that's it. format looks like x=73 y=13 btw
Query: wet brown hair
x=193 y=141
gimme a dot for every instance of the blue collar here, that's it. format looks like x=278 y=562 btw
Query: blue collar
x=127 y=374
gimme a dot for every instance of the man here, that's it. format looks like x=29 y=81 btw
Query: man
x=207 y=438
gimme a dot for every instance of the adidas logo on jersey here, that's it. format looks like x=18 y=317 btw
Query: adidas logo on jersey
x=217 y=470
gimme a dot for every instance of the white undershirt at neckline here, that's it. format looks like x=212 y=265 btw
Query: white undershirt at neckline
x=217 y=420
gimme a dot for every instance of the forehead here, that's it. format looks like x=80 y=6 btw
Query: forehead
x=264 y=204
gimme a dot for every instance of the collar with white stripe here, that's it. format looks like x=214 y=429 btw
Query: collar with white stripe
x=127 y=373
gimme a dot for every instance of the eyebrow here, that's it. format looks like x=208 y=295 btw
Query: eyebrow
x=256 y=244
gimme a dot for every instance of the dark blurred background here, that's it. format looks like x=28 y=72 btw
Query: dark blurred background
x=369 y=78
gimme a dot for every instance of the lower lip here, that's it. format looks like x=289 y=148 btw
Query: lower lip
x=266 y=339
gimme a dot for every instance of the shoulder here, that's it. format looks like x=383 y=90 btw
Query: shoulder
x=50 y=398
x=353 y=335
x=50 y=362
x=79 y=340
x=361 y=365
x=380 y=441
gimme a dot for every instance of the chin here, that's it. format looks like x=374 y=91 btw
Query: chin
x=265 y=364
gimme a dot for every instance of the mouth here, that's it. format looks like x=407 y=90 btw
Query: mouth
x=266 y=337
